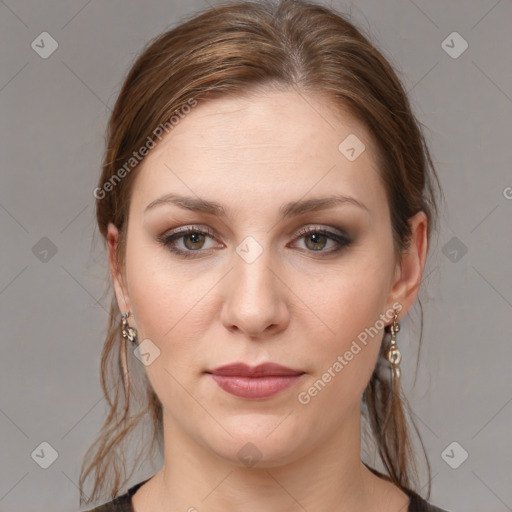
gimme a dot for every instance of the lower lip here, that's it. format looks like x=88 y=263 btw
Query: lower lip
x=255 y=387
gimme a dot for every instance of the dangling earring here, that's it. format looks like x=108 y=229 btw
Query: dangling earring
x=393 y=355
x=129 y=333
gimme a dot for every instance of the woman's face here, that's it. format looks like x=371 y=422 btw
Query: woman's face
x=250 y=286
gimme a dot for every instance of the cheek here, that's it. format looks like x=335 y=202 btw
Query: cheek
x=347 y=303
x=163 y=297
x=346 y=351
x=166 y=306
x=173 y=307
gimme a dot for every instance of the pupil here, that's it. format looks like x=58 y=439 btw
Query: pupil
x=194 y=238
x=315 y=238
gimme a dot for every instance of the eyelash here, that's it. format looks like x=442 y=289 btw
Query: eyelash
x=168 y=240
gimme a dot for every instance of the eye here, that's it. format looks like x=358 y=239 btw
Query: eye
x=192 y=240
x=316 y=239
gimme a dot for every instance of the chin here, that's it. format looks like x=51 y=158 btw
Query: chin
x=257 y=447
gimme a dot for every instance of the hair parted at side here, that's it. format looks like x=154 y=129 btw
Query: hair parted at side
x=232 y=49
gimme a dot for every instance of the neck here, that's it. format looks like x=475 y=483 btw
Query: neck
x=330 y=476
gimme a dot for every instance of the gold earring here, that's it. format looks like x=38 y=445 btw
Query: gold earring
x=129 y=333
x=393 y=354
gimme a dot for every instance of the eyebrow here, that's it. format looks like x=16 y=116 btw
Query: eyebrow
x=287 y=210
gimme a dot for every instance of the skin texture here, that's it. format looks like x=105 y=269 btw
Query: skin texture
x=291 y=305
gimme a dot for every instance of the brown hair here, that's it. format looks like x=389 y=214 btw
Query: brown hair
x=229 y=50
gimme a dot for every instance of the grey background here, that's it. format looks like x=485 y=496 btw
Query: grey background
x=54 y=312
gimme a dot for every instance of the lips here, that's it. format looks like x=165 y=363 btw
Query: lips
x=255 y=382
x=244 y=370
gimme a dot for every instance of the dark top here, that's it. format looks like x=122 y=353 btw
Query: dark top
x=124 y=503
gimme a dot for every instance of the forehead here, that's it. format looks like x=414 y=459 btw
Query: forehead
x=262 y=147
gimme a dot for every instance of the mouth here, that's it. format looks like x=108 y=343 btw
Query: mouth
x=255 y=382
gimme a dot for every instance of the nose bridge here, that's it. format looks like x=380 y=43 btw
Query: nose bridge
x=253 y=301
x=252 y=276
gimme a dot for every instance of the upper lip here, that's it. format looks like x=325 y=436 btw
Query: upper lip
x=244 y=370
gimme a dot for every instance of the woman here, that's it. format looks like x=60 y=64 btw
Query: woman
x=267 y=199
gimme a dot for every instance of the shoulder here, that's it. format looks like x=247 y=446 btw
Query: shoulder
x=122 y=503
x=418 y=504
x=119 y=504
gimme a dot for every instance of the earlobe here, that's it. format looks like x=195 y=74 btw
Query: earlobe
x=410 y=271
x=115 y=272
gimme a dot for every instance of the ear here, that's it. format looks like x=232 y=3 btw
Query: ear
x=409 y=271
x=120 y=289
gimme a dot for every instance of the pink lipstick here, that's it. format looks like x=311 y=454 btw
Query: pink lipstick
x=258 y=382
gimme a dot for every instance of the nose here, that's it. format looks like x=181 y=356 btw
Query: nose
x=255 y=298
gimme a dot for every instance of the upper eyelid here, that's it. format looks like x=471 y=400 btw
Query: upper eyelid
x=184 y=230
